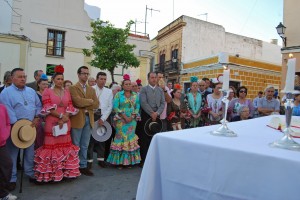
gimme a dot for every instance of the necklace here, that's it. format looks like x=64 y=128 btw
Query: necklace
x=24 y=99
x=60 y=94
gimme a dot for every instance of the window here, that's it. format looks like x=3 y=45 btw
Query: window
x=174 y=54
x=162 y=62
x=55 y=42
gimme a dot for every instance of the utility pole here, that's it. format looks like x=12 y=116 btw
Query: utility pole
x=135 y=22
x=151 y=9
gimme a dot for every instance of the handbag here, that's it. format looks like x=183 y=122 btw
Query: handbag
x=56 y=131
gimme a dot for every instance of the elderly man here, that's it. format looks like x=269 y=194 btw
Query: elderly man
x=153 y=103
x=105 y=97
x=85 y=99
x=268 y=105
x=37 y=75
x=21 y=102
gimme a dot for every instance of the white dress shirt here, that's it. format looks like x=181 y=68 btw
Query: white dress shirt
x=105 y=97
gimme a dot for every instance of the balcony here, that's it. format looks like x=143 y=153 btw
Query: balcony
x=168 y=67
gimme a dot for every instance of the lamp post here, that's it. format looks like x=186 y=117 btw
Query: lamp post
x=281 y=30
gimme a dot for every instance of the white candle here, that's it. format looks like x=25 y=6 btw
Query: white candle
x=226 y=74
x=290 y=75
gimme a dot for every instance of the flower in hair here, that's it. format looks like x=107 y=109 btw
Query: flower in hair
x=139 y=81
x=44 y=77
x=177 y=86
x=59 y=69
x=126 y=77
x=194 y=79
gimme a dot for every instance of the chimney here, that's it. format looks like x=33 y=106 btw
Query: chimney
x=274 y=41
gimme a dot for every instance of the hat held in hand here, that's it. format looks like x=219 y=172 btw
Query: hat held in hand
x=23 y=134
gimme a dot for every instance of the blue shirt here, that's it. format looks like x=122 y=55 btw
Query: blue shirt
x=20 y=103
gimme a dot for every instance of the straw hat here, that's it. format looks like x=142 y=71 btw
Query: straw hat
x=23 y=134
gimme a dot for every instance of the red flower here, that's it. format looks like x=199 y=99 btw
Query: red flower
x=138 y=81
x=59 y=69
x=177 y=86
x=126 y=77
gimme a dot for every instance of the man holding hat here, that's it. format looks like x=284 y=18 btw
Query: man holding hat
x=153 y=103
x=23 y=106
x=105 y=96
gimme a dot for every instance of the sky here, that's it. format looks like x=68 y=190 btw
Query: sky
x=252 y=18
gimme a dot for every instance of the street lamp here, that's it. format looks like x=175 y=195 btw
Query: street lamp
x=281 y=30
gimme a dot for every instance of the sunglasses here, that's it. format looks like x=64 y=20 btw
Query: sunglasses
x=242 y=91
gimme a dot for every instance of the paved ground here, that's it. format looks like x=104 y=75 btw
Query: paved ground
x=107 y=184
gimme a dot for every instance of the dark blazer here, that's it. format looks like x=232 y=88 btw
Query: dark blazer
x=32 y=85
x=152 y=100
x=80 y=101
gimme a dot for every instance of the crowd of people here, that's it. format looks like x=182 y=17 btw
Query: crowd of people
x=69 y=120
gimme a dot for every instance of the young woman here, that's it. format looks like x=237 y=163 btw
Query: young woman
x=124 y=149
x=194 y=102
x=42 y=84
x=176 y=109
x=58 y=157
x=214 y=102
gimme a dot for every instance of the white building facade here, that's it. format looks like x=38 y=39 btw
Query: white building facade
x=40 y=34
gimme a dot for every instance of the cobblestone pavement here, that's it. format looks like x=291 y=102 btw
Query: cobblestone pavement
x=107 y=184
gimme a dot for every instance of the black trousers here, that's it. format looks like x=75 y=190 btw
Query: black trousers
x=98 y=147
x=144 y=139
x=5 y=170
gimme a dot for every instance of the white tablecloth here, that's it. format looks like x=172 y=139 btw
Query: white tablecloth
x=192 y=164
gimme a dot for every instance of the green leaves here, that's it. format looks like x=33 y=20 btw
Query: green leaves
x=110 y=47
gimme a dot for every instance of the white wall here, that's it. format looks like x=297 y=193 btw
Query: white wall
x=9 y=57
x=65 y=15
x=201 y=39
x=37 y=60
x=5 y=16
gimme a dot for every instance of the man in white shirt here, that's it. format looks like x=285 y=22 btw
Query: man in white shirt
x=105 y=97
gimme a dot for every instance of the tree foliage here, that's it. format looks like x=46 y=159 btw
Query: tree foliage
x=110 y=47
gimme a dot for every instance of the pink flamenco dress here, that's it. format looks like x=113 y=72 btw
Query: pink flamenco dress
x=58 y=157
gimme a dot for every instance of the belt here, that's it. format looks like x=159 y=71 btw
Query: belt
x=87 y=114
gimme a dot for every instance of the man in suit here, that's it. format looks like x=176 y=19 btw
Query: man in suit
x=37 y=75
x=152 y=102
x=84 y=98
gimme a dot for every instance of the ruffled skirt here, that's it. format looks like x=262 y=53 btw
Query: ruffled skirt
x=124 y=150
x=56 y=163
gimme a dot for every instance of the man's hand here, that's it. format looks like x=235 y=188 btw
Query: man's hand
x=35 y=122
x=154 y=116
x=100 y=122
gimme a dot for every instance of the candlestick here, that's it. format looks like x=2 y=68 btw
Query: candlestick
x=226 y=74
x=290 y=75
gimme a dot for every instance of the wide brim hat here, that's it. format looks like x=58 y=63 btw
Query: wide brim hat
x=23 y=134
x=152 y=127
x=101 y=133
